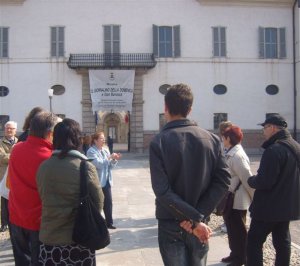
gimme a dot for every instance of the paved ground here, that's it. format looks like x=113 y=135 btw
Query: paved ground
x=134 y=243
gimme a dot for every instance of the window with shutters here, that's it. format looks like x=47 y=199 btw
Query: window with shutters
x=57 y=41
x=272 y=43
x=3 y=42
x=162 y=121
x=3 y=120
x=166 y=41
x=219 y=41
x=218 y=118
x=111 y=45
x=111 y=39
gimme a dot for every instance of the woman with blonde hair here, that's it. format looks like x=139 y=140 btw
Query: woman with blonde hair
x=104 y=162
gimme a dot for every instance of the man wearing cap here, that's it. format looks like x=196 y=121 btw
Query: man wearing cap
x=276 y=200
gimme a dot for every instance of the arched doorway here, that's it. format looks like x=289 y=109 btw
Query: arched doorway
x=115 y=125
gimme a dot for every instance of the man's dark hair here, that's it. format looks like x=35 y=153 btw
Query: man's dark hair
x=67 y=136
x=42 y=123
x=29 y=117
x=179 y=99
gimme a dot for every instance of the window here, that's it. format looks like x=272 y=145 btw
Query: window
x=166 y=41
x=58 y=89
x=272 y=43
x=112 y=39
x=57 y=41
x=272 y=89
x=3 y=42
x=3 y=120
x=163 y=89
x=3 y=91
x=112 y=45
x=220 y=89
x=218 y=118
x=219 y=41
x=162 y=121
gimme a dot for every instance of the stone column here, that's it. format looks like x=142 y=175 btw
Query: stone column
x=88 y=117
x=136 y=116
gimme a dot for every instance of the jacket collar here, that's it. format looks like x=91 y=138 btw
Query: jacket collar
x=280 y=135
x=179 y=123
x=39 y=141
x=8 y=142
x=74 y=153
x=233 y=150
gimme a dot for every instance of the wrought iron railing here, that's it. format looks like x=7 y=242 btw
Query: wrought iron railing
x=126 y=60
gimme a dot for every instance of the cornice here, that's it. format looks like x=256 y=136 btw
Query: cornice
x=249 y=2
x=12 y=2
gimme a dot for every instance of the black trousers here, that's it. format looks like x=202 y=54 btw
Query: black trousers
x=26 y=246
x=4 y=211
x=237 y=235
x=257 y=235
x=107 y=204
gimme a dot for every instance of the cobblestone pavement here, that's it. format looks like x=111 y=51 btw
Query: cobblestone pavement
x=134 y=243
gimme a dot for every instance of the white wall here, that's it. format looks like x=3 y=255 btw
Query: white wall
x=29 y=73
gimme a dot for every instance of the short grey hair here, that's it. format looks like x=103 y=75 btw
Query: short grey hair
x=12 y=123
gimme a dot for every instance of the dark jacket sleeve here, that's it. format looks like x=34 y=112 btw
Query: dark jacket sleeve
x=220 y=181
x=180 y=209
x=268 y=172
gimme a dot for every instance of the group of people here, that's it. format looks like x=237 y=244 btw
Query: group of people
x=44 y=188
x=191 y=170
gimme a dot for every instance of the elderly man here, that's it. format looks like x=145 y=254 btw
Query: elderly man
x=6 y=144
x=24 y=204
x=276 y=200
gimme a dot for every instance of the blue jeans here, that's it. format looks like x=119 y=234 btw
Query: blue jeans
x=257 y=235
x=179 y=248
x=26 y=246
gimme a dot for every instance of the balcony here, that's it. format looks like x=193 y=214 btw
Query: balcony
x=101 y=61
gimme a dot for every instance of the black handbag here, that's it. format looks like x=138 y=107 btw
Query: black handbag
x=226 y=204
x=90 y=228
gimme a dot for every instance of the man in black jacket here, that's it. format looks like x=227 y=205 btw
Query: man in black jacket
x=277 y=197
x=189 y=177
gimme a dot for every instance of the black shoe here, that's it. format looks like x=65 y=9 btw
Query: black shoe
x=227 y=259
x=111 y=227
x=3 y=228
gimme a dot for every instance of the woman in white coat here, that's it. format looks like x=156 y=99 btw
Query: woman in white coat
x=239 y=166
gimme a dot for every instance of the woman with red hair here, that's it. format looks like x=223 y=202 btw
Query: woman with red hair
x=235 y=220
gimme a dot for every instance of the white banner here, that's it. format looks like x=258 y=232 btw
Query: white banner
x=111 y=90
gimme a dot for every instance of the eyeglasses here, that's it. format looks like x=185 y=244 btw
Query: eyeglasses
x=266 y=126
x=10 y=128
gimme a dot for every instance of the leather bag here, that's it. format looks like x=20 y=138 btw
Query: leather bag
x=90 y=228
x=226 y=204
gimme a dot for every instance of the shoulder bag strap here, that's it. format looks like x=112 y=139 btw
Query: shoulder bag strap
x=83 y=180
x=237 y=187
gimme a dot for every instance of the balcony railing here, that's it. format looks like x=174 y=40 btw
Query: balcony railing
x=127 y=60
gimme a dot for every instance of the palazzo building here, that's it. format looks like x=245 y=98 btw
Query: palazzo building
x=241 y=59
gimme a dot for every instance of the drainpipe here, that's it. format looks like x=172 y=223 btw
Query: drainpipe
x=294 y=72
